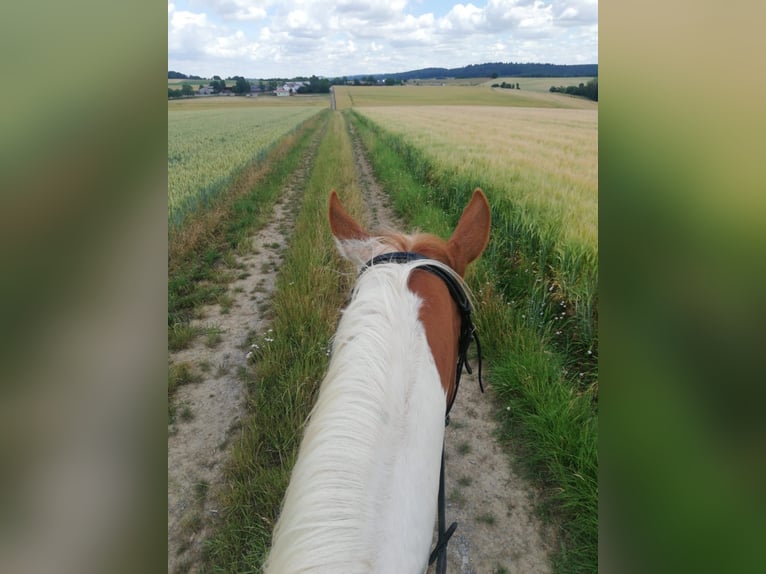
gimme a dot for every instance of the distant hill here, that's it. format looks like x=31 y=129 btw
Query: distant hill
x=503 y=70
x=179 y=76
x=500 y=68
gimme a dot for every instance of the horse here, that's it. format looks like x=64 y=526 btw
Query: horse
x=362 y=496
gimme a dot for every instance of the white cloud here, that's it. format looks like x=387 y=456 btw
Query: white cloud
x=577 y=13
x=188 y=32
x=466 y=18
x=268 y=38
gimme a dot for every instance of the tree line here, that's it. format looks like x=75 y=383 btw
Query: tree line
x=589 y=90
x=312 y=85
x=217 y=85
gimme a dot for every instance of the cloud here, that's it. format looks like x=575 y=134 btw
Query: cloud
x=188 y=32
x=375 y=12
x=577 y=13
x=270 y=38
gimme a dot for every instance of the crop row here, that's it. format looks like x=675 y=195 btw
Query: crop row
x=208 y=148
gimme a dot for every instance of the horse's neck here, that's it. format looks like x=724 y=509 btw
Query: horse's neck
x=441 y=320
x=362 y=497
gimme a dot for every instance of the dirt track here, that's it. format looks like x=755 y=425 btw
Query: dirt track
x=197 y=447
x=498 y=530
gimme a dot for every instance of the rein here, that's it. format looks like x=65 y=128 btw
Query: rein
x=467 y=334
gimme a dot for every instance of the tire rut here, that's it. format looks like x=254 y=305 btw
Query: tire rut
x=498 y=527
x=210 y=410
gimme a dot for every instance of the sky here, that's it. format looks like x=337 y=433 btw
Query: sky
x=333 y=38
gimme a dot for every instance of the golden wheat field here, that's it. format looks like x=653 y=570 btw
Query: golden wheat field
x=430 y=95
x=546 y=159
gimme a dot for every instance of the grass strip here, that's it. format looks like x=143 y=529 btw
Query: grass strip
x=546 y=411
x=289 y=362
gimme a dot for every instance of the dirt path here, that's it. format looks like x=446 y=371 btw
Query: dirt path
x=211 y=409
x=498 y=530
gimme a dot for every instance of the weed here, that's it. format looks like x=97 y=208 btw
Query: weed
x=222 y=370
x=186 y=413
x=456 y=497
x=486 y=518
x=229 y=259
x=464 y=481
x=225 y=301
x=200 y=490
x=213 y=336
x=191 y=523
x=180 y=336
x=463 y=448
x=180 y=374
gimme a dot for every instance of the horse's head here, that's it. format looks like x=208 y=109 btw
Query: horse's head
x=440 y=316
x=362 y=495
x=466 y=243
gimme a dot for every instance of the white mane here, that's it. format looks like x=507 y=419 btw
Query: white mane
x=362 y=497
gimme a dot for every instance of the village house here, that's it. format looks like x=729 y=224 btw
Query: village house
x=289 y=88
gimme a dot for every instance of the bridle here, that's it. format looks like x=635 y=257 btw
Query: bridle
x=467 y=334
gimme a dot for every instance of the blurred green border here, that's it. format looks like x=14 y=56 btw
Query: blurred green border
x=82 y=218
x=682 y=198
x=83 y=285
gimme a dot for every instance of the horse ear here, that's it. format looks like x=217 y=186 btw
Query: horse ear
x=472 y=232
x=342 y=225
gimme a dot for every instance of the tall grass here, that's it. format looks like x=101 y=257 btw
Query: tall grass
x=536 y=341
x=545 y=161
x=288 y=364
x=545 y=261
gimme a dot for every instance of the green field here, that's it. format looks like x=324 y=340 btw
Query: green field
x=209 y=142
x=409 y=95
